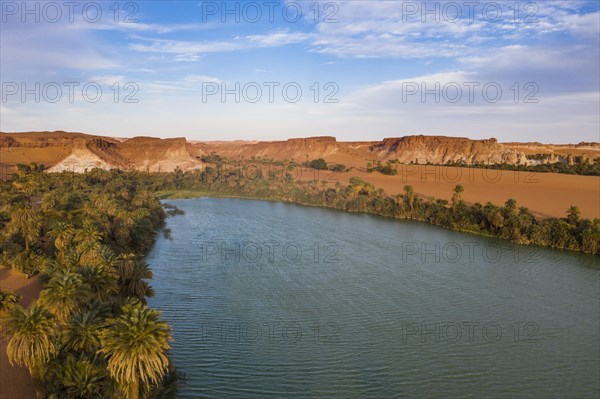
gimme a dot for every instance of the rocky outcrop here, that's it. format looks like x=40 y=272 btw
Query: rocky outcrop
x=446 y=150
x=295 y=148
x=80 y=160
x=78 y=152
x=158 y=155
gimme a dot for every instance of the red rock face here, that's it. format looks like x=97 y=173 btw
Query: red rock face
x=79 y=151
x=444 y=150
x=155 y=154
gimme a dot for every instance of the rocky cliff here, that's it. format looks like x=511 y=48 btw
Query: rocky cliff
x=446 y=150
x=79 y=151
x=294 y=148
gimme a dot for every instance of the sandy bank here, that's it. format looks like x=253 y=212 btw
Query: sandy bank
x=15 y=382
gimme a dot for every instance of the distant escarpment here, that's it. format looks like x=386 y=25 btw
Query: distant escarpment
x=446 y=150
x=79 y=152
x=295 y=148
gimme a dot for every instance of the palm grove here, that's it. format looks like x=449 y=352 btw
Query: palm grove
x=90 y=333
x=277 y=180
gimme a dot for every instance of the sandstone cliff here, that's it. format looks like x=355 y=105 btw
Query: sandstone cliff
x=79 y=151
x=446 y=150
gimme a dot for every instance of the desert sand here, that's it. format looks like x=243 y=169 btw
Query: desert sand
x=15 y=382
x=545 y=194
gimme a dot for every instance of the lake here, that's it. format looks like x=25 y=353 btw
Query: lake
x=273 y=300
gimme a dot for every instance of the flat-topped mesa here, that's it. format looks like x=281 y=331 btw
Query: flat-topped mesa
x=446 y=150
x=156 y=146
x=295 y=148
x=312 y=141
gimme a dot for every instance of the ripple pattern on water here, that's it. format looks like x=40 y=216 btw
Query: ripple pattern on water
x=363 y=317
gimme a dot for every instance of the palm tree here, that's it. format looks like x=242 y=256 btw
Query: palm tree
x=401 y=207
x=32 y=340
x=458 y=190
x=63 y=234
x=88 y=237
x=132 y=273
x=143 y=198
x=510 y=206
x=50 y=201
x=28 y=187
x=124 y=265
x=64 y=294
x=83 y=331
x=25 y=220
x=8 y=300
x=135 y=345
x=100 y=255
x=124 y=227
x=409 y=196
x=573 y=214
x=82 y=378
x=104 y=204
x=100 y=280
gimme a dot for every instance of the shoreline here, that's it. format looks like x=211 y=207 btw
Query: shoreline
x=191 y=194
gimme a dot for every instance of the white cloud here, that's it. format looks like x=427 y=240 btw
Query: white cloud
x=187 y=48
x=278 y=38
x=108 y=80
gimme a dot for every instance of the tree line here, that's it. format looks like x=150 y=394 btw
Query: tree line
x=508 y=221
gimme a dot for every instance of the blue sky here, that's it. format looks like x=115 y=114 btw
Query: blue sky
x=375 y=59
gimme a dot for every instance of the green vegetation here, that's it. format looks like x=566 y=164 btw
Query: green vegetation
x=321 y=164
x=212 y=158
x=509 y=222
x=577 y=168
x=337 y=167
x=387 y=169
x=90 y=333
x=318 y=164
x=8 y=300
